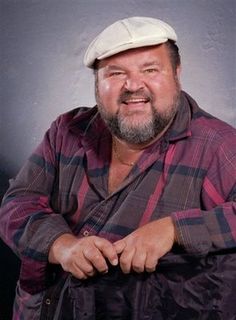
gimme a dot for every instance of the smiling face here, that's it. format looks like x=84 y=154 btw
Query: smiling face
x=137 y=92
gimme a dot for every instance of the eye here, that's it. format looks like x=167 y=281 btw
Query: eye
x=150 y=70
x=116 y=73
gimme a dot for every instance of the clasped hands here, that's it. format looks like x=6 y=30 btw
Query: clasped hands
x=139 y=251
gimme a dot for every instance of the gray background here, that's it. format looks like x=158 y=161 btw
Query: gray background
x=42 y=75
x=42 y=46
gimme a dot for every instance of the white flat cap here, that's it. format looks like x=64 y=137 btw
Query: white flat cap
x=127 y=34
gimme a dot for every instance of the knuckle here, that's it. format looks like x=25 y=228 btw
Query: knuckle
x=79 y=274
x=138 y=268
x=88 y=252
x=151 y=266
x=125 y=270
x=82 y=276
x=125 y=266
x=89 y=269
x=103 y=244
x=150 y=269
x=151 y=247
x=96 y=258
x=99 y=263
x=90 y=273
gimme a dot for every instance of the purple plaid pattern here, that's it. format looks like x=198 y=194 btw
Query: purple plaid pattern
x=189 y=173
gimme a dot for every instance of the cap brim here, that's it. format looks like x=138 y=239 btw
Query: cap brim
x=132 y=45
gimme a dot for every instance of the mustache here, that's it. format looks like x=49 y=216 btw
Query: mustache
x=139 y=94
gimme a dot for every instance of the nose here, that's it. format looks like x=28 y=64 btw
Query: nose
x=134 y=82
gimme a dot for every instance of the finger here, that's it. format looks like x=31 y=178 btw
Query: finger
x=79 y=274
x=86 y=267
x=139 y=260
x=126 y=259
x=95 y=257
x=107 y=249
x=79 y=266
x=119 y=246
x=151 y=262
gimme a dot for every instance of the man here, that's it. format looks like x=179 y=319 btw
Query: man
x=127 y=210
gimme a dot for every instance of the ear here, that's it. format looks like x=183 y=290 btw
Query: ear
x=178 y=72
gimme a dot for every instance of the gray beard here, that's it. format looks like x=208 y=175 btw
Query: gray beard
x=145 y=132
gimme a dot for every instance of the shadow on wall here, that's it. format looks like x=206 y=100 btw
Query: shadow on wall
x=9 y=267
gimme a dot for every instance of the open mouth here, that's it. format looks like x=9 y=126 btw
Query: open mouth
x=135 y=101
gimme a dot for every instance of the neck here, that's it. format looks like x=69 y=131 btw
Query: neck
x=125 y=154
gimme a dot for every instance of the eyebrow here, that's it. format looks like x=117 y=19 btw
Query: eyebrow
x=151 y=63
x=113 y=67
x=146 y=64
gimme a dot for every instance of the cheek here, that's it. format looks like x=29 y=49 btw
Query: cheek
x=107 y=87
x=108 y=91
x=164 y=88
x=104 y=87
x=164 y=95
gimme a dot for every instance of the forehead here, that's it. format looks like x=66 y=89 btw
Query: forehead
x=139 y=56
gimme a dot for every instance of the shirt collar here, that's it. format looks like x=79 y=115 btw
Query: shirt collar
x=180 y=127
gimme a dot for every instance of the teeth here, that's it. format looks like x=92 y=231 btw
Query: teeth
x=135 y=100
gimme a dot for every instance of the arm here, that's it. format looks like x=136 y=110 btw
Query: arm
x=32 y=223
x=202 y=231
x=28 y=223
x=212 y=226
x=209 y=228
x=198 y=232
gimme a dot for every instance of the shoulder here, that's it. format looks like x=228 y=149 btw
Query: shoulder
x=76 y=116
x=208 y=127
x=70 y=125
x=215 y=132
x=79 y=121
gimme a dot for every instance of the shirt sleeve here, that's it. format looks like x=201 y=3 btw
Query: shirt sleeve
x=28 y=223
x=212 y=227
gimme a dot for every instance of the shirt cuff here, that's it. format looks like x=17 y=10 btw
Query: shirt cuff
x=192 y=232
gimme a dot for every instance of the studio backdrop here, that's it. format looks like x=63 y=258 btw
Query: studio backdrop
x=42 y=74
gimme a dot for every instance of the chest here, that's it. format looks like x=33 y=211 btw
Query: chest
x=117 y=174
x=158 y=185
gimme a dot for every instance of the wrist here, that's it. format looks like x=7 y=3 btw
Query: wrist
x=59 y=246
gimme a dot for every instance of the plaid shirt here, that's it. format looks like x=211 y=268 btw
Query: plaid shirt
x=189 y=173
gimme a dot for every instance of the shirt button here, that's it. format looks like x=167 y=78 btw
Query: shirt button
x=86 y=233
x=48 y=301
